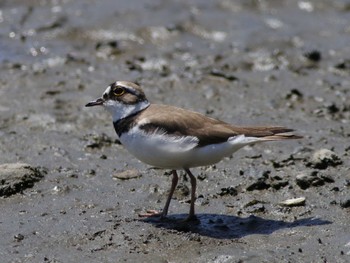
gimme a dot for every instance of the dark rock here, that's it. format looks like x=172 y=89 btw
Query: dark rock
x=279 y=185
x=324 y=158
x=332 y=108
x=317 y=181
x=313 y=55
x=347 y=182
x=260 y=184
x=16 y=177
x=202 y=176
x=257 y=208
x=254 y=206
x=344 y=65
x=219 y=73
x=294 y=95
x=327 y=179
x=253 y=202
x=345 y=204
x=228 y=191
x=304 y=180
x=19 y=237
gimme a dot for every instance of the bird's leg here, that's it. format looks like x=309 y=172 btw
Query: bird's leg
x=172 y=189
x=164 y=213
x=191 y=215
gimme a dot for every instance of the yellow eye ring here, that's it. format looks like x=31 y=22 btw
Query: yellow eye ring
x=118 y=91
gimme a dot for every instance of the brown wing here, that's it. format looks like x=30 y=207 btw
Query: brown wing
x=181 y=122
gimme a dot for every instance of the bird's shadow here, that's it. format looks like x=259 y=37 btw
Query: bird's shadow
x=228 y=226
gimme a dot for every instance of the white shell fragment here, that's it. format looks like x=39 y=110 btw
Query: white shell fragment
x=294 y=202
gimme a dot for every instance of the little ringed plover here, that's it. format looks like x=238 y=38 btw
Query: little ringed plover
x=174 y=138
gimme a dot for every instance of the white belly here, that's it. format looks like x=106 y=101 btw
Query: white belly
x=161 y=150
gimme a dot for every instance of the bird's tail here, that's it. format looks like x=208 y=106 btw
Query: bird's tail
x=279 y=133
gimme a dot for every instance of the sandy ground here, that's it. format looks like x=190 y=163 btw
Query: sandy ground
x=245 y=62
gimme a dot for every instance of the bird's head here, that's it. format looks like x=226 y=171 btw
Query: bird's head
x=121 y=99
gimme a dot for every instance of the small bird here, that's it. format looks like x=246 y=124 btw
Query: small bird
x=173 y=138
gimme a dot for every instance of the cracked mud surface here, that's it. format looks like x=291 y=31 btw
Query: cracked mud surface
x=245 y=62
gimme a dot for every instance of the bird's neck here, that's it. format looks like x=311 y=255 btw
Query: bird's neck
x=126 y=110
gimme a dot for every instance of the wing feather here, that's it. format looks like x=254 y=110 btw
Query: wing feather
x=180 y=122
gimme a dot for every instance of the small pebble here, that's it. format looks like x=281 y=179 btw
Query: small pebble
x=345 y=204
x=313 y=55
x=19 y=237
x=324 y=158
x=128 y=174
x=228 y=191
x=303 y=180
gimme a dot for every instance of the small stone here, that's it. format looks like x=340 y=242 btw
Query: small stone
x=343 y=65
x=317 y=181
x=228 y=191
x=293 y=202
x=294 y=95
x=279 y=185
x=103 y=157
x=128 y=174
x=345 y=204
x=332 y=108
x=260 y=184
x=251 y=203
x=327 y=179
x=19 y=237
x=16 y=177
x=347 y=182
x=257 y=208
x=303 y=180
x=219 y=73
x=313 y=55
x=202 y=176
x=324 y=158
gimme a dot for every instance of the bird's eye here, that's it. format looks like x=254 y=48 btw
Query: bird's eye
x=118 y=91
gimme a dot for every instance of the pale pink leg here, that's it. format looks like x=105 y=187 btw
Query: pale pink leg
x=164 y=213
x=191 y=215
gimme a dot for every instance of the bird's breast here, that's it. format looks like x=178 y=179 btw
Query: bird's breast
x=173 y=152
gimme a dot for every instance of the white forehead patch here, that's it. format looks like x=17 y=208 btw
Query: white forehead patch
x=108 y=90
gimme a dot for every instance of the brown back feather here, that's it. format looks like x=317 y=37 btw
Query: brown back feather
x=181 y=122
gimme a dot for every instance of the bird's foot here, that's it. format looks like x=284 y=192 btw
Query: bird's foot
x=152 y=213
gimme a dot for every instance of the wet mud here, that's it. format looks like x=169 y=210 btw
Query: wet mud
x=72 y=193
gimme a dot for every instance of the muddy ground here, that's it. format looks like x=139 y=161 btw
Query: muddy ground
x=245 y=62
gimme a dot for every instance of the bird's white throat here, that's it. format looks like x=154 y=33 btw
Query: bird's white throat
x=120 y=110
